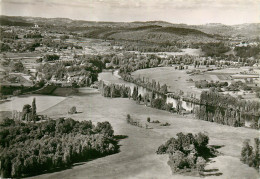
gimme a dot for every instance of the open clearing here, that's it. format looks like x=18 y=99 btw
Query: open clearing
x=171 y=77
x=137 y=158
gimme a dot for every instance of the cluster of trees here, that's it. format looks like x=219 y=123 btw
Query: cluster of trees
x=51 y=57
x=24 y=46
x=12 y=78
x=29 y=149
x=151 y=47
x=214 y=49
x=187 y=152
x=238 y=85
x=7 y=35
x=17 y=66
x=64 y=37
x=160 y=103
x=29 y=112
x=10 y=90
x=4 y=47
x=89 y=67
x=33 y=35
x=114 y=90
x=136 y=122
x=132 y=121
x=206 y=84
x=250 y=155
x=145 y=83
x=247 y=52
x=148 y=46
x=227 y=110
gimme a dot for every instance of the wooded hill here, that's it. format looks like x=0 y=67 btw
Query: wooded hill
x=242 y=30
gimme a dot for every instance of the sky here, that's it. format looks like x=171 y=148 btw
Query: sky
x=176 y=11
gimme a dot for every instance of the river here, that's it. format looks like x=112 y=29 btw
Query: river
x=113 y=77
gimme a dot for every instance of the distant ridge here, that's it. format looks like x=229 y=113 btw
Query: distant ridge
x=249 y=30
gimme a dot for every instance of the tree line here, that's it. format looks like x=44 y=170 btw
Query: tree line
x=114 y=90
x=145 y=83
x=227 y=110
x=206 y=84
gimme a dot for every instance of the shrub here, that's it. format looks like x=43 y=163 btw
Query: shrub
x=165 y=124
x=73 y=110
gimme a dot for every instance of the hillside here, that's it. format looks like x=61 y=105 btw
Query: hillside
x=157 y=34
x=159 y=29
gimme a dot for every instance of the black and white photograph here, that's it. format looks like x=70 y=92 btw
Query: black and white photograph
x=130 y=89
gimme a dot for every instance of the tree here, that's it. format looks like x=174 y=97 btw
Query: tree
x=73 y=110
x=149 y=119
x=27 y=109
x=17 y=67
x=164 y=89
x=34 y=110
x=135 y=93
x=250 y=155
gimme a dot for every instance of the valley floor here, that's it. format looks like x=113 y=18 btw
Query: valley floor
x=137 y=157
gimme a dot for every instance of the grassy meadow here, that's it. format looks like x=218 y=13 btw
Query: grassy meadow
x=137 y=157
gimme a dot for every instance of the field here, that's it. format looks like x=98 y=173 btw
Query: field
x=137 y=157
x=186 y=51
x=42 y=102
x=177 y=79
x=92 y=46
x=171 y=77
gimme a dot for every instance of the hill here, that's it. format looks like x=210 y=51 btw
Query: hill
x=157 y=29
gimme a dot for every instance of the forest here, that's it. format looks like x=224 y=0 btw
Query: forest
x=28 y=149
x=249 y=51
x=214 y=49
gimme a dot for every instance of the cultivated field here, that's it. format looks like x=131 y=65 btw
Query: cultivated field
x=137 y=158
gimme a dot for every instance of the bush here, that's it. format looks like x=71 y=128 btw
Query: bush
x=148 y=119
x=73 y=110
x=165 y=124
